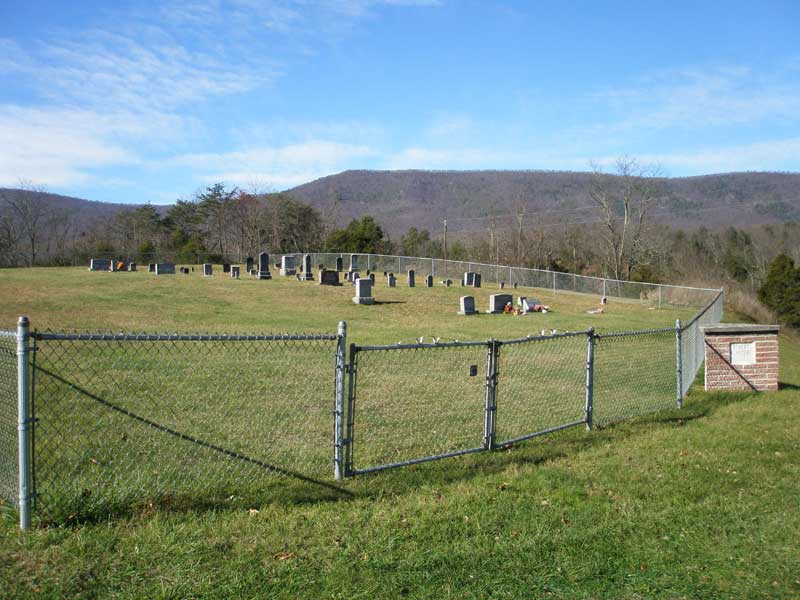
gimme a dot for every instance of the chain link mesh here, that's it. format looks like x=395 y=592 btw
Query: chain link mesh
x=541 y=386
x=412 y=403
x=693 y=342
x=126 y=419
x=8 y=417
x=634 y=374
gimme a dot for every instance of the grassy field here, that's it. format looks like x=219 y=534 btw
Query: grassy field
x=698 y=503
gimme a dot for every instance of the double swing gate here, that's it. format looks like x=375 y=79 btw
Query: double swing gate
x=411 y=403
x=93 y=424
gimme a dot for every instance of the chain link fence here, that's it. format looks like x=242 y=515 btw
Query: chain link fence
x=650 y=294
x=692 y=345
x=8 y=417
x=125 y=419
x=120 y=420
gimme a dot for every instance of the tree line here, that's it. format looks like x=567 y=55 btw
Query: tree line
x=221 y=224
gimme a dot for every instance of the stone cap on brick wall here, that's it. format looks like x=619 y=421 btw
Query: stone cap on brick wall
x=740 y=328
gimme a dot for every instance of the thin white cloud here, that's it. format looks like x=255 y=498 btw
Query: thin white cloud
x=276 y=166
x=701 y=97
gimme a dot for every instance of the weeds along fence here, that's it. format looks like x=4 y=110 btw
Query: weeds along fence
x=93 y=424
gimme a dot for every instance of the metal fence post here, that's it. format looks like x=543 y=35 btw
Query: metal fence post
x=679 y=362
x=23 y=421
x=659 y=297
x=490 y=407
x=589 y=379
x=350 y=412
x=338 y=411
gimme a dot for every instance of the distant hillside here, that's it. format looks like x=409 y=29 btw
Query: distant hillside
x=403 y=199
x=85 y=212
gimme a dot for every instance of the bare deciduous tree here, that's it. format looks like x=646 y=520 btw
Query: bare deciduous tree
x=625 y=201
x=27 y=212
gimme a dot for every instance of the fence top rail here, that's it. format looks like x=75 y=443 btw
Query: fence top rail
x=540 y=338
x=454 y=344
x=496 y=266
x=616 y=334
x=178 y=337
x=703 y=311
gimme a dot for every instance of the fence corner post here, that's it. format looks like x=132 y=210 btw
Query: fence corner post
x=589 y=410
x=23 y=421
x=679 y=362
x=338 y=411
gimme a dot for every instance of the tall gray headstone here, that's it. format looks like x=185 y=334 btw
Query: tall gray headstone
x=429 y=281
x=263 y=266
x=364 y=291
x=354 y=262
x=467 y=306
x=411 y=278
x=208 y=270
x=249 y=266
x=306 y=274
x=477 y=280
x=497 y=302
x=339 y=264
x=391 y=280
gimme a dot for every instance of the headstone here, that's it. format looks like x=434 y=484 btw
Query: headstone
x=467 y=306
x=364 y=292
x=469 y=278
x=287 y=266
x=254 y=272
x=372 y=278
x=131 y=267
x=515 y=285
x=502 y=285
x=249 y=266
x=497 y=303
x=447 y=282
x=353 y=262
x=429 y=281
x=164 y=269
x=306 y=274
x=184 y=270
x=604 y=300
x=263 y=266
x=226 y=268
x=339 y=263
x=391 y=280
x=235 y=271
x=328 y=277
x=385 y=273
x=477 y=281
x=354 y=276
x=99 y=264
x=320 y=267
x=411 y=278
x=208 y=270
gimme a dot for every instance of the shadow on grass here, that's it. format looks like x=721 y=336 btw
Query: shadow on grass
x=290 y=490
x=782 y=385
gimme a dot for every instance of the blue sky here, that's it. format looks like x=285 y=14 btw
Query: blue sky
x=149 y=102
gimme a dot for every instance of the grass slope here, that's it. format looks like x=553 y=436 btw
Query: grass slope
x=698 y=503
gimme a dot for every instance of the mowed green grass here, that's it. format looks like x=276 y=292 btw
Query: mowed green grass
x=58 y=298
x=698 y=503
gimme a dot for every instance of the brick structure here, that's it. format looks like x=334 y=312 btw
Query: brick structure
x=741 y=357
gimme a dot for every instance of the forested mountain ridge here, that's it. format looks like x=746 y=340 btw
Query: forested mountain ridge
x=404 y=199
